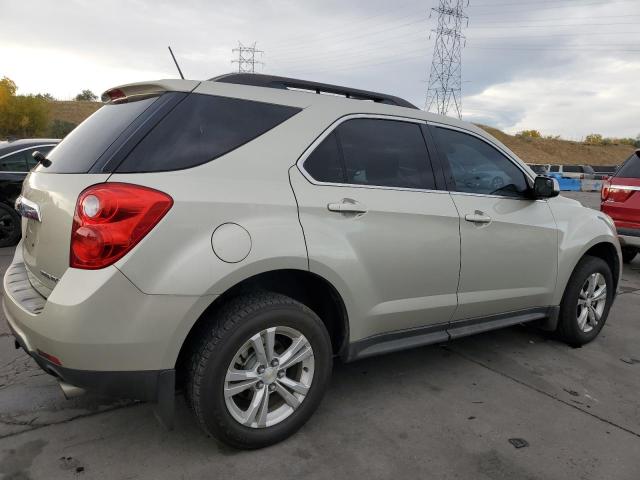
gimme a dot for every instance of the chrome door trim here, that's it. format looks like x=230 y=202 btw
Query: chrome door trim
x=329 y=130
x=28 y=148
x=633 y=188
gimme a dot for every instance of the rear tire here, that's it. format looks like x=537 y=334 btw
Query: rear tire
x=10 y=231
x=226 y=350
x=582 y=315
x=628 y=254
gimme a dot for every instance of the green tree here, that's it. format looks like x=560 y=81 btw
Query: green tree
x=46 y=96
x=21 y=115
x=86 y=96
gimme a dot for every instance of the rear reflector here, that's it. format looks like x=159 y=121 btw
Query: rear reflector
x=51 y=358
x=110 y=219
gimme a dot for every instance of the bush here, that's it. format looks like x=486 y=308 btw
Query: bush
x=593 y=139
x=529 y=134
x=60 y=128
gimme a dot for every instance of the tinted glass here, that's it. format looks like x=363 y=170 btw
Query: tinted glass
x=630 y=168
x=477 y=167
x=554 y=168
x=324 y=164
x=572 y=169
x=385 y=153
x=83 y=146
x=201 y=128
x=16 y=162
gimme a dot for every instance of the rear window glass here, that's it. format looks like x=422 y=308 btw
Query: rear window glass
x=83 y=146
x=630 y=168
x=572 y=169
x=202 y=128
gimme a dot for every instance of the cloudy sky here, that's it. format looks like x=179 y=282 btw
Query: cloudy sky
x=568 y=67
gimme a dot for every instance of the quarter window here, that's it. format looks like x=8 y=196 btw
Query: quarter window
x=376 y=152
x=202 y=128
x=325 y=164
x=477 y=167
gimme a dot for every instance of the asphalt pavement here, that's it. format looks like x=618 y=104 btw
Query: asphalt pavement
x=451 y=411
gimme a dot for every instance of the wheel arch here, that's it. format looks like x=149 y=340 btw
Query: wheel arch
x=603 y=249
x=308 y=288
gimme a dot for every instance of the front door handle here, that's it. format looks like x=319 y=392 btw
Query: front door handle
x=477 y=218
x=347 y=206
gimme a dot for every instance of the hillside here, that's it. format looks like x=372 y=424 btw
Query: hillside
x=72 y=111
x=531 y=150
x=565 y=152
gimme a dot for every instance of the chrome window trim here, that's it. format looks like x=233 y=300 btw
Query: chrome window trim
x=22 y=150
x=497 y=147
x=330 y=129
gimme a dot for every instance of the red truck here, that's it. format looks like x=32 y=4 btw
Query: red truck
x=621 y=201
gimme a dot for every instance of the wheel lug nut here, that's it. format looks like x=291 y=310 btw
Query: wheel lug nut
x=259 y=385
x=281 y=374
x=272 y=387
x=275 y=362
x=261 y=369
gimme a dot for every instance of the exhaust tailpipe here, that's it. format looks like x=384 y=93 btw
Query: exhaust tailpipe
x=71 y=391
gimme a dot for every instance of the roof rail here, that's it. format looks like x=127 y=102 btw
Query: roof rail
x=285 y=83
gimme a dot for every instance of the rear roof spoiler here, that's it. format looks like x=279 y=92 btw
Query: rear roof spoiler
x=285 y=83
x=137 y=91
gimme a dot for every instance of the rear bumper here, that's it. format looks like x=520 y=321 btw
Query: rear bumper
x=107 y=334
x=147 y=385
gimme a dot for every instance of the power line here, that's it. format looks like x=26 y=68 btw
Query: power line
x=247 y=58
x=445 y=79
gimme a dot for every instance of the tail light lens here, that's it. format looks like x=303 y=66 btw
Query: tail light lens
x=604 y=193
x=110 y=219
x=618 y=194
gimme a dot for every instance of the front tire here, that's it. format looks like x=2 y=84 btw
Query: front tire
x=586 y=302
x=259 y=371
x=628 y=254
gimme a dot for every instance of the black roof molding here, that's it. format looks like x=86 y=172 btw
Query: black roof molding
x=285 y=83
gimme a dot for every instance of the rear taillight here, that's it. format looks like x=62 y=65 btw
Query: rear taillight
x=618 y=194
x=604 y=193
x=110 y=219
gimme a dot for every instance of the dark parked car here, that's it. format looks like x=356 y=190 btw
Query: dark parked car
x=15 y=163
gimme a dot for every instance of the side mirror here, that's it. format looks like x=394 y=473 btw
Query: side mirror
x=545 y=187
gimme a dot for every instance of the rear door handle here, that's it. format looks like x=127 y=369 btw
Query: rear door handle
x=477 y=218
x=347 y=206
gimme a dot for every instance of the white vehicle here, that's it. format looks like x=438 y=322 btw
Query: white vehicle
x=572 y=171
x=234 y=236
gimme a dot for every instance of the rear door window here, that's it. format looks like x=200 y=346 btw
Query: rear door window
x=88 y=141
x=202 y=128
x=630 y=168
x=386 y=153
x=14 y=162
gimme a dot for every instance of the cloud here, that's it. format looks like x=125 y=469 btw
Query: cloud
x=560 y=67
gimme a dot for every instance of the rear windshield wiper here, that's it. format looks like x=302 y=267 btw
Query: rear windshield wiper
x=41 y=159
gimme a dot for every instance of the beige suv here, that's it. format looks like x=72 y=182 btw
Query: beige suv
x=232 y=237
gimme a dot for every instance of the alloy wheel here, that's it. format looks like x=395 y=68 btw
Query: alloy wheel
x=269 y=377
